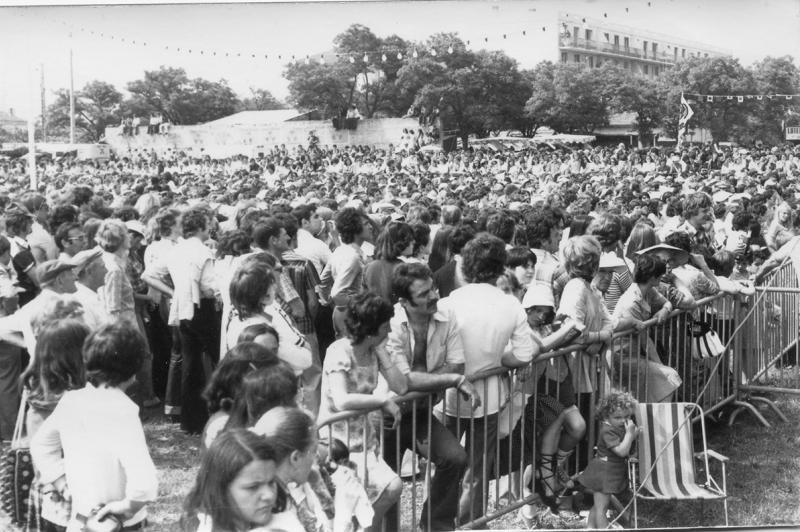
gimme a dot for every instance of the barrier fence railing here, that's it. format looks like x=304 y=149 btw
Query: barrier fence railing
x=768 y=359
x=648 y=363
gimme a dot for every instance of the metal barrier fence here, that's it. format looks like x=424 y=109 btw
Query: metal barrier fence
x=638 y=361
x=768 y=361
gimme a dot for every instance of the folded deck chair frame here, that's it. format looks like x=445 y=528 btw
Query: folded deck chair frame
x=666 y=441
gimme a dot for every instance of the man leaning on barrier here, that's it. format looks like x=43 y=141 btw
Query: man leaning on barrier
x=425 y=345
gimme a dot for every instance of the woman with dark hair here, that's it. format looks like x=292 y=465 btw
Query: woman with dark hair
x=580 y=223
x=395 y=241
x=642 y=237
x=226 y=382
x=93 y=442
x=422 y=243
x=293 y=434
x=637 y=364
x=350 y=382
x=440 y=249
x=262 y=390
x=56 y=369
x=236 y=487
x=252 y=290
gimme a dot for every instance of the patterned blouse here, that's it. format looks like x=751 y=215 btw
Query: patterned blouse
x=360 y=379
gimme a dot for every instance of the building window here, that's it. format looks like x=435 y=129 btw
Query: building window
x=616 y=41
x=644 y=48
x=625 y=65
x=683 y=52
x=646 y=70
x=655 y=71
x=563 y=57
x=599 y=62
x=588 y=35
x=627 y=43
x=706 y=55
x=591 y=62
x=575 y=34
x=577 y=58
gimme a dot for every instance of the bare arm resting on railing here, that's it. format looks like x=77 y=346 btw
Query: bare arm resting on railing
x=776 y=259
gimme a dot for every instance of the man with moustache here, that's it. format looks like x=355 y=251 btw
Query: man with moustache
x=425 y=345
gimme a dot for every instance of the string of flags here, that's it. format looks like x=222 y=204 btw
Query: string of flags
x=366 y=56
x=739 y=98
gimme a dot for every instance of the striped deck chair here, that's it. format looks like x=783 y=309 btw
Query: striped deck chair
x=673 y=477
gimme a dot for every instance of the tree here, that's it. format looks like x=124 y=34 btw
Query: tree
x=97 y=106
x=774 y=75
x=570 y=98
x=643 y=97
x=475 y=92
x=347 y=79
x=171 y=93
x=726 y=119
x=260 y=100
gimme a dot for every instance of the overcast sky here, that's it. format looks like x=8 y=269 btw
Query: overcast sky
x=32 y=37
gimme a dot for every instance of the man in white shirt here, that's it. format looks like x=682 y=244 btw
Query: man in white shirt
x=190 y=265
x=488 y=320
x=343 y=277
x=91 y=270
x=425 y=345
x=57 y=278
x=308 y=246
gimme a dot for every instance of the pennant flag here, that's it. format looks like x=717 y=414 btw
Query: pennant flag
x=740 y=98
x=709 y=98
x=730 y=97
x=759 y=97
x=769 y=96
x=686 y=114
x=788 y=96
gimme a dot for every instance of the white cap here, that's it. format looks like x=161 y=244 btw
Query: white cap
x=611 y=261
x=538 y=296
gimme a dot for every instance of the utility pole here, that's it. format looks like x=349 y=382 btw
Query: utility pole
x=71 y=98
x=44 y=111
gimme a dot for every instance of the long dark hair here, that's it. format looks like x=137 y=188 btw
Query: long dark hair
x=58 y=365
x=230 y=452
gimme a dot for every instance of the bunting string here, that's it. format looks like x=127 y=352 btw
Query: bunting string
x=380 y=55
x=739 y=98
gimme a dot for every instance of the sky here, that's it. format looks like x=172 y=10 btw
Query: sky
x=36 y=39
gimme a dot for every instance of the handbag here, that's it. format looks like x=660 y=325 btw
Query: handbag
x=16 y=472
x=705 y=341
x=110 y=523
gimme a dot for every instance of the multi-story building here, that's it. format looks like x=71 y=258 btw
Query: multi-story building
x=593 y=42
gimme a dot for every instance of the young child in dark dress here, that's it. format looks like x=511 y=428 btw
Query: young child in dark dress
x=606 y=474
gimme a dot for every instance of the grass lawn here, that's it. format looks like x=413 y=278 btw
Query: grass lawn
x=763 y=476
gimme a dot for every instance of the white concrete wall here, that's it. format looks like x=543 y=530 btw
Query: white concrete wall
x=249 y=140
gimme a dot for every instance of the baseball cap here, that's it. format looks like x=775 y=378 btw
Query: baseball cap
x=47 y=271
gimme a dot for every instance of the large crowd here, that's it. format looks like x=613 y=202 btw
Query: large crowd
x=252 y=298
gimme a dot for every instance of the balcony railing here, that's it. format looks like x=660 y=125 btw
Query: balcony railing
x=617 y=49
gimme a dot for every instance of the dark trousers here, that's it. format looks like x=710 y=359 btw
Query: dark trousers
x=442 y=449
x=160 y=337
x=323 y=325
x=10 y=389
x=480 y=458
x=199 y=338
x=172 y=401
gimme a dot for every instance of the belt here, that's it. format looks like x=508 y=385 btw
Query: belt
x=130 y=528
